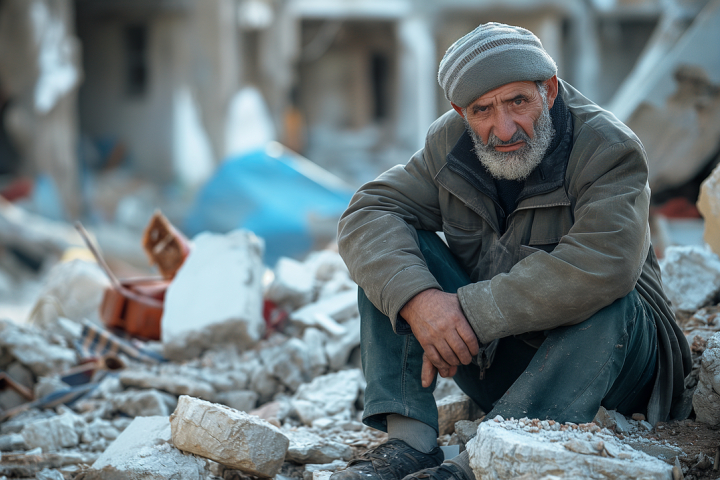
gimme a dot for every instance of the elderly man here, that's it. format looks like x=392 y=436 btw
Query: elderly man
x=547 y=301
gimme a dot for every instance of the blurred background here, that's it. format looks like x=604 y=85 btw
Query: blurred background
x=268 y=114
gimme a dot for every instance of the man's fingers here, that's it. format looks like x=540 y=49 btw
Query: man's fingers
x=468 y=336
x=436 y=359
x=447 y=353
x=449 y=373
x=460 y=348
x=428 y=372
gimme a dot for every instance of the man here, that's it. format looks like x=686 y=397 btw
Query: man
x=547 y=301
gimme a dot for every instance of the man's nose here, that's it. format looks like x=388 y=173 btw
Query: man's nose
x=505 y=127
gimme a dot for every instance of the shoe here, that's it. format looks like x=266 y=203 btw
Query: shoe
x=445 y=471
x=392 y=460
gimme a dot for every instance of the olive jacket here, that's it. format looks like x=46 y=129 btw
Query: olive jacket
x=577 y=241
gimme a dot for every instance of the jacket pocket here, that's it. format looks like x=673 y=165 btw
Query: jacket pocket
x=527 y=250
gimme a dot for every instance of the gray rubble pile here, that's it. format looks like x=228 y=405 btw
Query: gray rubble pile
x=546 y=449
x=706 y=399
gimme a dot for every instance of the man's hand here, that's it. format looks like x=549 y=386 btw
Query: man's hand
x=437 y=321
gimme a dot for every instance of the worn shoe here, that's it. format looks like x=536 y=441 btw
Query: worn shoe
x=392 y=460
x=445 y=471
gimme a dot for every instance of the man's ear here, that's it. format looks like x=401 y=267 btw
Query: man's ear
x=552 y=86
x=458 y=109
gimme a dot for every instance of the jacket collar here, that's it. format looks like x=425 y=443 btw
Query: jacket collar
x=546 y=177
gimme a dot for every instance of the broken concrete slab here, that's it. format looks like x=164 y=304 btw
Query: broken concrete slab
x=145 y=451
x=706 y=399
x=216 y=296
x=54 y=433
x=144 y=403
x=287 y=362
x=535 y=449
x=328 y=395
x=326 y=313
x=176 y=384
x=307 y=447
x=49 y=474
x=454 y=408
x=338 y=348
x=332 y=467
x=235 y=439
x=11 y=442
x=316 y=340
x=293 y=286
x=691 y=276
x=466 y=430
x=242 y=400
x=34 y=351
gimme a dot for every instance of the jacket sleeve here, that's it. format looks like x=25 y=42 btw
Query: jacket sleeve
x=597 y=262
x=377 y=237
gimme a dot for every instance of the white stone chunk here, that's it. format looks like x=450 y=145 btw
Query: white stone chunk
x=315 y=340
x=452 y=409
x=326 y=467
x=145 y=451
x=216 y=296
x=34 y=351
x=504 y=450
x=706 y=399
x=308 y=447
x=691 y=276
x=328 y=395
x=327 y=312
x=339 y=347
x=144 y=403
x=234 y=439
x=293 y=285
x=325 y=264
x=288 y=362
x=172 y=383
x=242 y=400
x=12 y=441
x=446 y=387
x=53 y=433
x=49 y=474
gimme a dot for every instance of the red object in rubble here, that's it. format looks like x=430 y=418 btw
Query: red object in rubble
x=275 y=317
x=20 y=188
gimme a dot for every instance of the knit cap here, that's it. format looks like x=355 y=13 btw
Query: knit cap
x=490 y=56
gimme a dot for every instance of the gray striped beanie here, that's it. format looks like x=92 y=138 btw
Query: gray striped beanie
x=490 y=56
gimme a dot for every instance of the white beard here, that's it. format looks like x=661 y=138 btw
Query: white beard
x=519 y=164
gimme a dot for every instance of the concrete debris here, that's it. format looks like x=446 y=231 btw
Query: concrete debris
x=444 y=387
x=308 y=447
x=288 y=362
x=242 y=400
x=145 y=451
x=505 y=449
x=216 y=297
x=175 y=384
x=316 y=341
x=234 y=439
x=338 y=348
x=11 y=442
x=35 y=351
x=72 y=290
x=325 y=467
x=326 y=313
x=331 y=395
x=453 y=409
x=54 y=433
x=612 y=420
x=466 y=430
x=49 y=474
x=293 y=286
x=691 y=276
x=144 y=403
x=706 y=400
x=47 y=385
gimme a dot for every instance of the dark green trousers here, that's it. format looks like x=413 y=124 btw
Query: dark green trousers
x=609 y=359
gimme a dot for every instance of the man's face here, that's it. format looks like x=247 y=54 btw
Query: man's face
x=511 y=128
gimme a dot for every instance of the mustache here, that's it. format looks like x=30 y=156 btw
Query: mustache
x=518 y=136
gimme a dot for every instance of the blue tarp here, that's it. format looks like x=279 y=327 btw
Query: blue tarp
x=276 y=197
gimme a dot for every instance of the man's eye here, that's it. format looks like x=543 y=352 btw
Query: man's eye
x=481 y=109
x=519 y=101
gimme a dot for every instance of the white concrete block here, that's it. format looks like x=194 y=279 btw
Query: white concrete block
x=339 y=347
x=242 y=400
x=508 y=449
x=691 y=276
x=53 y=433
x=176 y=384
x=143 y=403
x=293 y=285
x=234 y=439
x=34 y=351
x=327 y=312
x=308 y=447
x=328 y=395
x=216 y=297
x=144 y=451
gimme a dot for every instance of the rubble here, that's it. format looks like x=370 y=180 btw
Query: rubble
x=35 y=351
x=709 y=206
x=706 y=399
x=175 y=384
x=144 y=451
x=53 y=433
x=691 y=276
x=331 y=395
x=216 y=296
x=144 y=403
x=293 y=285
x=513 y=448
x=229 y=437
x=454 y=408
x=308 y=447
